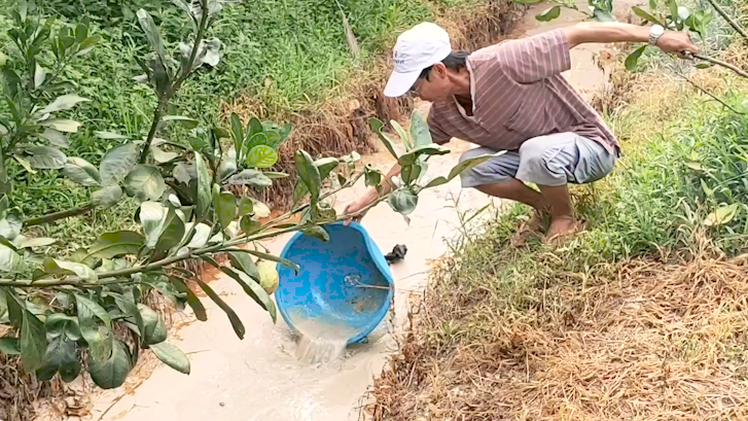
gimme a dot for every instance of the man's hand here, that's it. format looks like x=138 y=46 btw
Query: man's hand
x=677 y=42
x=357 y=205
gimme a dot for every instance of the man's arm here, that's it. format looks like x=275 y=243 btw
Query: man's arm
x=669 y=42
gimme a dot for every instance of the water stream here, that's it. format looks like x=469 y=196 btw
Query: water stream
x=268 y=376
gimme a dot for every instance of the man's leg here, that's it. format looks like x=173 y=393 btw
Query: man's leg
x=495 y=177
x=552 y=162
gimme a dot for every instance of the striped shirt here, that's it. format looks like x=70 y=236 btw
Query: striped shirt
x=518 y=93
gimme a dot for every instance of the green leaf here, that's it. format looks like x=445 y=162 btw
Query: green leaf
x=10 y=261
x=673 y=5
x=653 y=4
x=117 y=244
x=403 y=135
x=272 y=258
x=372 y=177
x=243 y=262
x=62 y=125
x=112 y=372
x=200 y=239
x=11 y=224
x=603 y=16
x=61 y=355
x=89 y=310
x=162 y=156
x=59 y=324
x=33 y=342
x=236 y=323
x=107 y=197
x=246 y=206
x=702 y=66
x=82 y=172
x=471 y=163
x=645 y=15
x=145 y=183
x=409 y=158
x=250 y=177
x=192 y=299
x=153 y=220
x=248 y=225
x=722 y=215
x=61 y=267
x=308 y=173
x=419 y=130
x=9 y=346
x=45 y=157
x=376 y=126
x=262 y=156
x=549 y=14
x=189 y=123
x=204 y=184
x=173 y=232
x=39 y=76
x=62 y=103
x=154 y=328
x=403 y=201
x=253 y=289
x=110 y=136
x=226 y=209
x=317 y=232
x=633 y=59
x=22 y=242
x=54 y=138
x=151 y=33
x=171 y=356
x=237 y=131
x=118 y=162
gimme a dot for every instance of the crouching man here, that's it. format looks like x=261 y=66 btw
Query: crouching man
x=512 y=97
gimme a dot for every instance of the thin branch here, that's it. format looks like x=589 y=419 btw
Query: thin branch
x=158 y=114
x=116 y=276
x=58 y=215
x=723 y=64
x=714 y=97
x=735 y=25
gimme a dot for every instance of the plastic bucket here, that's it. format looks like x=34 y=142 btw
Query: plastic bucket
x=345 y=281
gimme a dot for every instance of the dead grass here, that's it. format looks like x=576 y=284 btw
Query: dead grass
x=655 y=341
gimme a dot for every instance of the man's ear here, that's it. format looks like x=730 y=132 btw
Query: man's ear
x=440 y=70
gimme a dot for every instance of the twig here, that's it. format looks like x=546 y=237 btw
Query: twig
x=722 y=63
x=714 y=97
x=58 y=215
x=735 y=25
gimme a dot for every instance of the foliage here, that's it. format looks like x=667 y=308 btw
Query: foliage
x=65 y=311
x=667 y=13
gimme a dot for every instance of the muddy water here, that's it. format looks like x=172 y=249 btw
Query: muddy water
x=261 y=377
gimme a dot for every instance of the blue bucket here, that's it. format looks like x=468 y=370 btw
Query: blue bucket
x=335 y=282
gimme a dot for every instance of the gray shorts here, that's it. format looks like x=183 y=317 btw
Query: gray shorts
x=552 y=160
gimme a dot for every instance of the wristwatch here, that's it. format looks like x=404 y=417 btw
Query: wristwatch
x=655 y=33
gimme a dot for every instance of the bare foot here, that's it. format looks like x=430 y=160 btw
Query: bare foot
x=528 y=229
x=562 y=228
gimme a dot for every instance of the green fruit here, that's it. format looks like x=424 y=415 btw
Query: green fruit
x=268 y=276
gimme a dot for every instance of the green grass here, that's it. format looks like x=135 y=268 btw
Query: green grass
x=291 y=55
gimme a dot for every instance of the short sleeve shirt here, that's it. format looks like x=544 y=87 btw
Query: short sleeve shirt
x=518 y=93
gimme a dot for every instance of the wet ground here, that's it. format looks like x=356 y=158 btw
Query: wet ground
x=260 y=378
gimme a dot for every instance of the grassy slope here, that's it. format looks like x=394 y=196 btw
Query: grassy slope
x=639 y=318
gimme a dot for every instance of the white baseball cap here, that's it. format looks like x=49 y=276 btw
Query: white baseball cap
x=418 y=48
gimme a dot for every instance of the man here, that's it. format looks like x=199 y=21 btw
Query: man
x=511 y=96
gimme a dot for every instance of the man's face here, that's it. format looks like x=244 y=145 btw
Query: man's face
x=434 y=85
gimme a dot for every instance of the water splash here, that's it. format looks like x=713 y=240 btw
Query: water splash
x=321 y=341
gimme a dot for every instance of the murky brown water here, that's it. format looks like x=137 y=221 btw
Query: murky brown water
x=261 y=378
